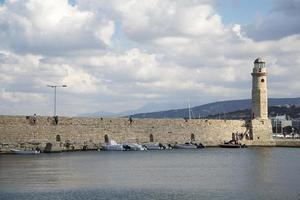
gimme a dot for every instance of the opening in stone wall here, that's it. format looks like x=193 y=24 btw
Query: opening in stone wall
x=58 y=139
x=106 y=139
x=151 y=138
x=192 y=137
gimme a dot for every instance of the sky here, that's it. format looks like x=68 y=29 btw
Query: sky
x=118 y=55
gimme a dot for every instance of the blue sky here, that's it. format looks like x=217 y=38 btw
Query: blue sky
x=120 y=55
x=242 y=11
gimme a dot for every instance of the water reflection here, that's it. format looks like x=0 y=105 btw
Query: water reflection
x=252 y=173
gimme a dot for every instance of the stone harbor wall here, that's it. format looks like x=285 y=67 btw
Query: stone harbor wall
x=77 y=133
x=261 y=130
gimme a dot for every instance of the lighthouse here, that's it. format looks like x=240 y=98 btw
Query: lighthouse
x=259 y=90
x=261 y=128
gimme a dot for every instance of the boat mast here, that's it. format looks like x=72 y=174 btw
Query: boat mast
x=189 y=109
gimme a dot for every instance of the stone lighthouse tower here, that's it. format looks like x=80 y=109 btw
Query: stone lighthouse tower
x=259 y=90
x=261 y=128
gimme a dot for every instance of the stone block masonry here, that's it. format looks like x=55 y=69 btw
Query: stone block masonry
x=76 y=132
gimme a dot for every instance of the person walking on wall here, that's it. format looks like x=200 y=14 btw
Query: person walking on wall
x=34 y=119
x=130 y=120
x=56 y=120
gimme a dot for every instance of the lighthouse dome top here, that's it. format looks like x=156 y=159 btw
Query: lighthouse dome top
x=259 y=60
x=259 y=65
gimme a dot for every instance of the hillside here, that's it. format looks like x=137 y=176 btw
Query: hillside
x=215 y=108
x=291 y=111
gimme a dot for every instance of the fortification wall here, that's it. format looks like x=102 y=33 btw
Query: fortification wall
x=16 y=130
x=262 y=133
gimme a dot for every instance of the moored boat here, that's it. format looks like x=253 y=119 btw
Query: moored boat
x=232 y=145
x=113 y=146
x=134 y=147
x=155 y=146
x=185 y=146
x=188 y=145
x=24 y=152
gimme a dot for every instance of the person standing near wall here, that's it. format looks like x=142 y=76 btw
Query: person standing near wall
x=130 y=120
x=56 y=120
x=34 y=119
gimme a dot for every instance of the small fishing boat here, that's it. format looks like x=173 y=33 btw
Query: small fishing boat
x=232 y=145
x=155 y=146
x=113 y=146
x=134 y=147
x=24 y=152
x=189 y=145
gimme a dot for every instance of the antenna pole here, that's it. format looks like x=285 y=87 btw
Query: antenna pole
x=189 y=109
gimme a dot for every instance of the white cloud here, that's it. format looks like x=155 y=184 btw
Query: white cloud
x=51 y=27
x=172 y=50
x=20 y=97
x=105 y=33
x=156 y=19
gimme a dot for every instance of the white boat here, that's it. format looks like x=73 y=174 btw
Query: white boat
x=155 y=146
x=24 y=152
x=113 y=146
x=134 y=147
x=188 y=145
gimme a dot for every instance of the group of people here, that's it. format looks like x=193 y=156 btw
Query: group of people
x=34 y=119
x=236 y=137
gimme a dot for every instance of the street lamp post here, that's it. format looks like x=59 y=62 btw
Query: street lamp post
x=54 y=106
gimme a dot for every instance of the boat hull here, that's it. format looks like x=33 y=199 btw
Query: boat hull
x=232 y=146
x=179 y=146
x=113 y=148
x=155 y=146
x=23 y=152
x=134 y=147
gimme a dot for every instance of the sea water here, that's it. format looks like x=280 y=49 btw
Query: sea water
x=210 y=173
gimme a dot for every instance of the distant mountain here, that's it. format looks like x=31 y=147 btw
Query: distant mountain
x=292 y=111
x=99 y=114
x=151 y=107
x=215 y=108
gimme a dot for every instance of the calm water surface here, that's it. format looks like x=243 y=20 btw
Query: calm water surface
x=211 y=173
